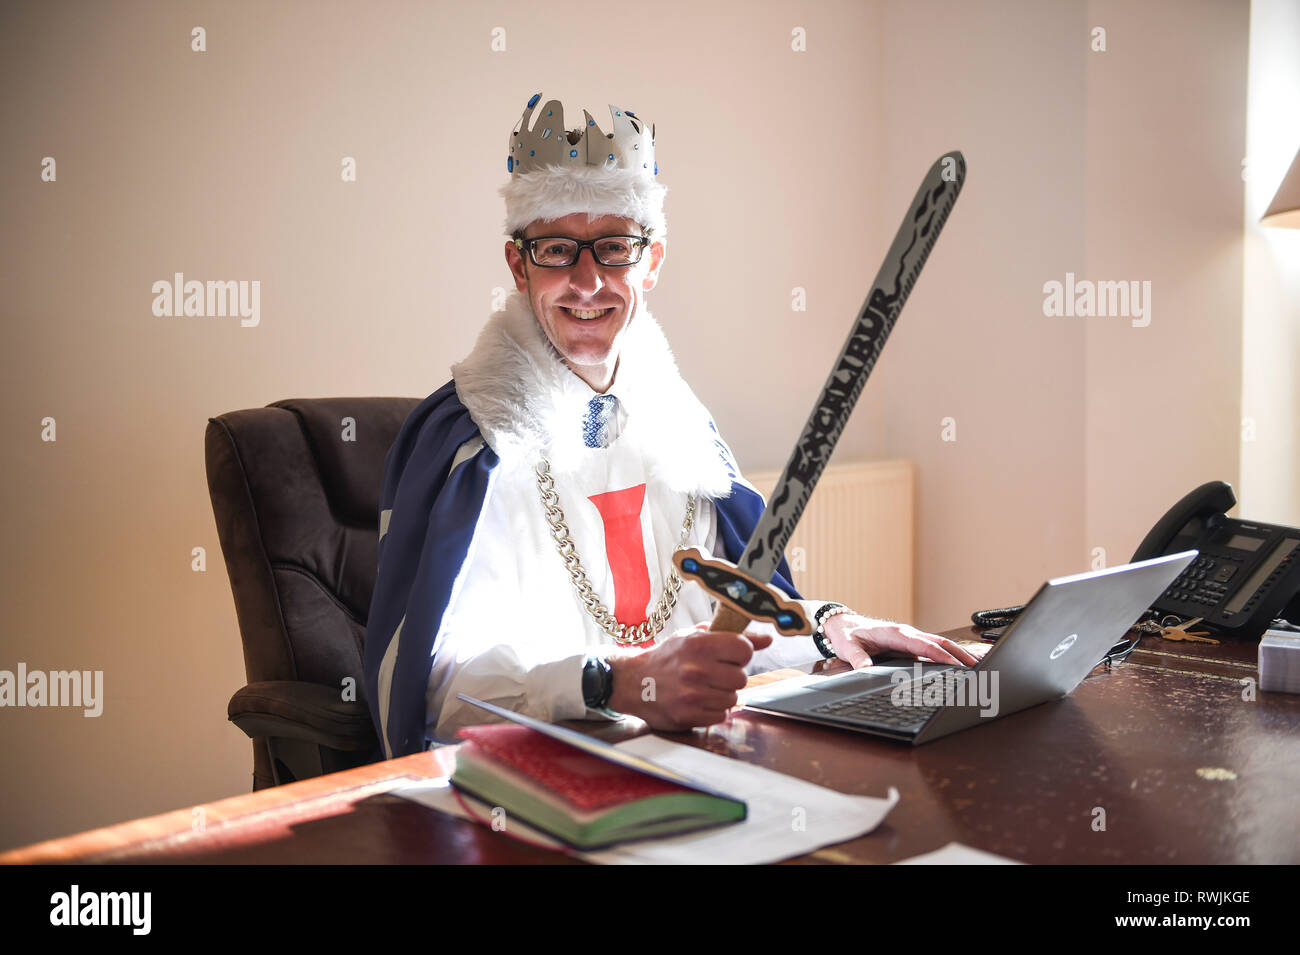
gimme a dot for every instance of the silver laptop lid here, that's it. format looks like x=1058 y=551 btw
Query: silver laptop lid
x=1062 y=634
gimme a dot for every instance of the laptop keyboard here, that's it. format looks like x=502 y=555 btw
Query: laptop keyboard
x=878 y=707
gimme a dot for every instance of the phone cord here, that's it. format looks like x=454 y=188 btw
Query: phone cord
x=1007 y=615
x=995 y=618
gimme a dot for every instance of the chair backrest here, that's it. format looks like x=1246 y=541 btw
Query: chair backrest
x=295 y=492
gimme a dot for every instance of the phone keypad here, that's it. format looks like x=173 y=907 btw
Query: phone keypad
x=1204 y=582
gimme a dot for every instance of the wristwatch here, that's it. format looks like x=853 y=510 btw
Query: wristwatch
x=597 y=682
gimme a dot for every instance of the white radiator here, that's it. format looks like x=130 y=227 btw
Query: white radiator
x=854 y=543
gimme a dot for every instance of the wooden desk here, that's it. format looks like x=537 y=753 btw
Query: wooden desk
x=1185 y=770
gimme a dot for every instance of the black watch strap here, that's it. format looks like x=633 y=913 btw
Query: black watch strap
x=597 y=682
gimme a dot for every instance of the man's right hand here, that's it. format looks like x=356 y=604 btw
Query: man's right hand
x=689 y=679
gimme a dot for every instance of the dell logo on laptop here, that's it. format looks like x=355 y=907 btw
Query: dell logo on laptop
x=1064 y=645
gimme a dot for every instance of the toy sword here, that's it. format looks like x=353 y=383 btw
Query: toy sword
x=743 y=590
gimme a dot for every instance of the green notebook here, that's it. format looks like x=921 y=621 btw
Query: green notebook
x=586 y=793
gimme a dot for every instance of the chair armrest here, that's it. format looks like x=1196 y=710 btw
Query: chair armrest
x=287 y=709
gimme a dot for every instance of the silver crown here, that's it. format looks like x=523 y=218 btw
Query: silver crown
x=631 y=145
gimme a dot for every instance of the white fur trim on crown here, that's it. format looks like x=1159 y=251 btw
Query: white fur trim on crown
x=553 y=192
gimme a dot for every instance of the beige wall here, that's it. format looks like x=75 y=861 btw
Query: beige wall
x=225 y=165
x=1163 y=193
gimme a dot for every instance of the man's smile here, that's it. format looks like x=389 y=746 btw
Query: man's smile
x=586 y=315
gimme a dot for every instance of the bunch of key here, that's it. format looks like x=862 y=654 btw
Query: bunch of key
x=1183 y=631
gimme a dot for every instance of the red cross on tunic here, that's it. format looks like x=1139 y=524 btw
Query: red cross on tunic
x=625 y=550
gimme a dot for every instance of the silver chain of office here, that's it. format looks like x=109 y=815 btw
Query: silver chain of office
x=622 y=634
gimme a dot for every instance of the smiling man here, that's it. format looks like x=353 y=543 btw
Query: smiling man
x=531 y=506
x=584 y=313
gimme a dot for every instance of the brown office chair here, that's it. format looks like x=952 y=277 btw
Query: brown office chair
x=295 y=492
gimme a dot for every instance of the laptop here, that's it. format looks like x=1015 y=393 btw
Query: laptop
x=1060 y=636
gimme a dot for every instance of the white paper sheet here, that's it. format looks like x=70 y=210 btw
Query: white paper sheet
x=954 y=853
x=787 y=816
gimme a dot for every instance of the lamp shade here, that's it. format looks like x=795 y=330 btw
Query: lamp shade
x=1284 y=210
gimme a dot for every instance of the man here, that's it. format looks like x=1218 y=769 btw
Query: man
x=531 y=506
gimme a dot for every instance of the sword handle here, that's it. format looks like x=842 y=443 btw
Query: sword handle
x=728 y=620
x=741 y=598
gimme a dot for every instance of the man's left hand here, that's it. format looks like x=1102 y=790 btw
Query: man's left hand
x=856 y=639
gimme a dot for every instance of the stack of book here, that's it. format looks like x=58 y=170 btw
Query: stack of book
x=579 y=790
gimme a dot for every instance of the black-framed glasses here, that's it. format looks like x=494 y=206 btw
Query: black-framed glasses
x=560 y=251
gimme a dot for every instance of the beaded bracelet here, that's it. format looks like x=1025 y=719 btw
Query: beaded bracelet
x=824 y=613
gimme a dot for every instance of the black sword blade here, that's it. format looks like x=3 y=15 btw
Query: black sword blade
x=911 y=247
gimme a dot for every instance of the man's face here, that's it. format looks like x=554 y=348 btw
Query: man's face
x=589 y=345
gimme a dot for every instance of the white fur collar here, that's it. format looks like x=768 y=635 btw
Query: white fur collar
x=527 y=402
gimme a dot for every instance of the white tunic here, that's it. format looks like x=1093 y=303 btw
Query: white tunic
x=516 y=633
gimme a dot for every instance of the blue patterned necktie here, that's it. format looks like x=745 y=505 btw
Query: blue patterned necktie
x=599 y=410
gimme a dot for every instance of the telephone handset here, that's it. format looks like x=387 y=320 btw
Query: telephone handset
x=1247 y=573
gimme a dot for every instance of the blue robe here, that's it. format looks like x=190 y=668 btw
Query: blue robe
x=432 y=523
